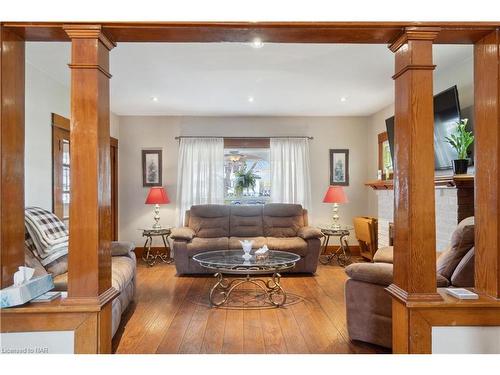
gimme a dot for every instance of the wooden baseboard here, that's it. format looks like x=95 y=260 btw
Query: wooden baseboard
x=354 y=249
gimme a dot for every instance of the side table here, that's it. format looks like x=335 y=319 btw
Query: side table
x=343 y=254
x=150 y=258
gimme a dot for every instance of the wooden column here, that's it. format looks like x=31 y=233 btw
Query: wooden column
x=12 y=154
x=414 y=208
x=487 y=133
x=89 y=277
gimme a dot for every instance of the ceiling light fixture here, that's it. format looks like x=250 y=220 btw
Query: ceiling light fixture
x=154 y=98
x=257 y=43
x=251 y=99
x=343 y=99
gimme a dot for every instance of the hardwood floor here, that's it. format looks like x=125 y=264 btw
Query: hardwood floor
x=172 y=315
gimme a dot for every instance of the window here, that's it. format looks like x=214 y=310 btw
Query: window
x=247 y=177
x=61 y=167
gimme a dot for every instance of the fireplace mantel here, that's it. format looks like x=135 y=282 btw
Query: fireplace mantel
x=459 y=181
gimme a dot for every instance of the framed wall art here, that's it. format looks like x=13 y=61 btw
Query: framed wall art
x=151 y=168
x=339 y=167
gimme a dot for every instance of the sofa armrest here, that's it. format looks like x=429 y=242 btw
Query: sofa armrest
x=308 y=233
x=374 y=273
x=121 y=248
x=381 y=274
x=182 y=234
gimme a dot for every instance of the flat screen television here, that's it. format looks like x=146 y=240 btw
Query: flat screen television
x=446 y=115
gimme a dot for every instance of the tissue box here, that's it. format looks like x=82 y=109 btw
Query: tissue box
x=18 y=295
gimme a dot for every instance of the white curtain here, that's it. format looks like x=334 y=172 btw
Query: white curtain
x=200 y=176
x=290 y=171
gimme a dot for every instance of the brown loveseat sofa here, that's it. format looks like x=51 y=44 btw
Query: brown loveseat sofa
x=220 y=227
x=369 y=306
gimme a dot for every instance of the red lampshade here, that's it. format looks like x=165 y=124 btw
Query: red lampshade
x=157 y=195
x=335 y=194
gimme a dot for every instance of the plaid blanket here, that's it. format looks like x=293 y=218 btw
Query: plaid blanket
x=47 y=236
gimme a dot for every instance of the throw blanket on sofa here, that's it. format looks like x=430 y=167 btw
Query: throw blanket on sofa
x=47 y=233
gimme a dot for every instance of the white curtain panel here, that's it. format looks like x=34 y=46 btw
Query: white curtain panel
x=200 y=176
x=290 y=171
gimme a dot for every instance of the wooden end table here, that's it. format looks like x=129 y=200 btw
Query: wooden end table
x=147 y=255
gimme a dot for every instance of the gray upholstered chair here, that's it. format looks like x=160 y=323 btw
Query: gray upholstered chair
x=369 y=306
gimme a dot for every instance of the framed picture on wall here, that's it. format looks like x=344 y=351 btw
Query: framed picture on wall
x=151 y=168
x=339 y=167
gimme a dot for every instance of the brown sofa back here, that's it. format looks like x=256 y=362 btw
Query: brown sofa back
x=209 y=220
x=270 y=220
x=282 y=219
x=246 y=221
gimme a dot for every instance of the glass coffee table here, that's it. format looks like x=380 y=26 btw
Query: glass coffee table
x=231 y=262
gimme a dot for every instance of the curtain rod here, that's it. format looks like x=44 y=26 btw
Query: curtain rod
x=209 y=136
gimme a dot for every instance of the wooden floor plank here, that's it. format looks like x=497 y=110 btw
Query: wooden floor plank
x=171 y=314
x=274 y=342
x=174 y=335
x=213 y=339
x=253 y=340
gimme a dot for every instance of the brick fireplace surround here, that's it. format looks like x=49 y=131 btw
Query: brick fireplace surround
x=454 y=202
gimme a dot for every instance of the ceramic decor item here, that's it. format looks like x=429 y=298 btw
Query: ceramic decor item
x=247 y=247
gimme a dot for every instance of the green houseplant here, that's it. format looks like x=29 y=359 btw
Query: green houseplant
x=245 y=179
x=461 y=139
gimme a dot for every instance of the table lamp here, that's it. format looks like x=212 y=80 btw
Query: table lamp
x=157 y=195
x=335 y=195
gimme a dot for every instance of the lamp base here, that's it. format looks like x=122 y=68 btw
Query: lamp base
x=335 y=217
x=157 y=224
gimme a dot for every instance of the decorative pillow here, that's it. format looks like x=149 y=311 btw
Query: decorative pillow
x=462 y=241
x=48 y=236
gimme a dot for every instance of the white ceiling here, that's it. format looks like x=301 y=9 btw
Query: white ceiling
x=217 y=79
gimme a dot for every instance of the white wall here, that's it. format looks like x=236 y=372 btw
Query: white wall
x=137 y=133
x=44 y=96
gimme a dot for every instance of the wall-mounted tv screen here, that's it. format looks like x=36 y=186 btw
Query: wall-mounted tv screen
x=446 y=115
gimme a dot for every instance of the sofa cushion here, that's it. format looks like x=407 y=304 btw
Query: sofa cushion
x=462 y=241
x=58 y=266
x=246 y=221
x=122 y=272
x=294 y=245
x=258 y=242
x=209 y=220
x=200 y=245
x=282 y=220
x=384 y=255
x=463 y=276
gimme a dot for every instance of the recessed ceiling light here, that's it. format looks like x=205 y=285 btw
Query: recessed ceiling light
x=251 y=99
x=343 y=99
x=257 y=43
x=154 y=98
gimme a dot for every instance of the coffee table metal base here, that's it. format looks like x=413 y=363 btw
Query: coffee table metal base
x=221 y=291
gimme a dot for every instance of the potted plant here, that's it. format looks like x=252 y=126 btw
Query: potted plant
x=460 y=140
x=245 y=179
